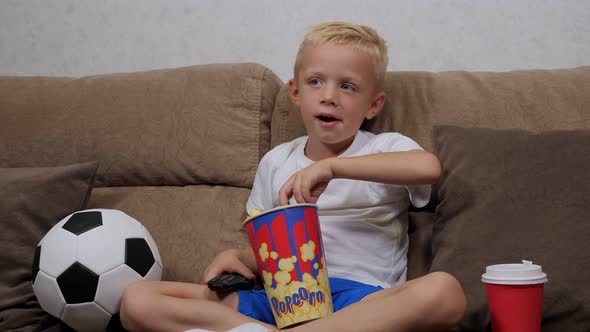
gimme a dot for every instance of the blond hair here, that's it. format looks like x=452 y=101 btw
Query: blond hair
x=359 y=37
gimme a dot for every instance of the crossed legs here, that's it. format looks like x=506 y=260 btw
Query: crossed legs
x=430 y=303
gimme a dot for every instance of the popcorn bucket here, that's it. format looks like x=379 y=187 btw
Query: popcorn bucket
x=287 y=244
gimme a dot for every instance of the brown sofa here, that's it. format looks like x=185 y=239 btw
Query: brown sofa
x=178 y=150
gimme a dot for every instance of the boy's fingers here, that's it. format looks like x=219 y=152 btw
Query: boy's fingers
x=306 y=194
x=239 y=268
x=244 y=270
x=284 y=196
x=297 y=191
x=315 y=193
x=210 y=274
x=286 y=192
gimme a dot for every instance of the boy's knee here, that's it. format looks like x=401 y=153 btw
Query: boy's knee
x=446 y=297
x=443 y=298
x=135 y=302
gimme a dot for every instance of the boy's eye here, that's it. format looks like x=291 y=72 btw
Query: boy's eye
x=347 y=86
x=314 y=82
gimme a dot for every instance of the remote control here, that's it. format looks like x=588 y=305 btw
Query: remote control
x=227 y=282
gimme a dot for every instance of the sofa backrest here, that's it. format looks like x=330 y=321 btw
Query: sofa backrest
x=177 y=148
x=528 y=99
x=192 y=125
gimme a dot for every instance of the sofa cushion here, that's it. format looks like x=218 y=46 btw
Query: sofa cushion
x=189 y=224
x=507 y=195
x=192 y=125
x=420 y=242
x=528 y=99
x=32 y=200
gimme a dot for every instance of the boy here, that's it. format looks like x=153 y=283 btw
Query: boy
x=361 y=183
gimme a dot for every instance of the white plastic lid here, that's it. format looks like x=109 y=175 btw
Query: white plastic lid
x=514 y=274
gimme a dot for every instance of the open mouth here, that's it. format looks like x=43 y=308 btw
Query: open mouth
x=327 y=118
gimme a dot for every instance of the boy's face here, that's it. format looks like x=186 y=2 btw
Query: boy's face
x=335 y=91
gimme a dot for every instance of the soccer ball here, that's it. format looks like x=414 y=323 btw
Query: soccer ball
x=83 y=264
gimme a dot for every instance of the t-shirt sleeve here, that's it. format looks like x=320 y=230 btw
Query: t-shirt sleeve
x=395 y=142
x=260 y=196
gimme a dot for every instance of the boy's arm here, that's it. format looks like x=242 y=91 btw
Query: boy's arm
x=403 y=168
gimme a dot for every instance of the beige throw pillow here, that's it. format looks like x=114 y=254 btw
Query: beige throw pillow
x=32 y=200
x=510 y=194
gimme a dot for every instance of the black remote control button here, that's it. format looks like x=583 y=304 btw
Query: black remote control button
x=227 y=282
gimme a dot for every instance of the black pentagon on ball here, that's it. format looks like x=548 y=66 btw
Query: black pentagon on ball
x=115 y=324
x=78 y=284
x=35 y=268
x=82 y=222
x=138 y=255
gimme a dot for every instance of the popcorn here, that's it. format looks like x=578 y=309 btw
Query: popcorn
x=263 y=252
x=286 y=264
x=267 y=276
x=254 y=212
x=307 y=251
x=282 y=277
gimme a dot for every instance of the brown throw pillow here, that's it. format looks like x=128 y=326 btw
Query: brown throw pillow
x=506 y=195
x=32 y=200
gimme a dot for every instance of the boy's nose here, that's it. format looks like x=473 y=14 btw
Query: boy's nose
x=328 y=96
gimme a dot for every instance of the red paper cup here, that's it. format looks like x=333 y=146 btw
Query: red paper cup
x=515 y=296
x=287 y=244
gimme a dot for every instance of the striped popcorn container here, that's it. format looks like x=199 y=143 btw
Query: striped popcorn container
x=287 y=244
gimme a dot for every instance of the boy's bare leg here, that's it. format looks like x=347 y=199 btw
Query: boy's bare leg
x=434 y=302
x=175 y=306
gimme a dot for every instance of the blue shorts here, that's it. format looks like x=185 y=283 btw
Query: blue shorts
x=255 y=304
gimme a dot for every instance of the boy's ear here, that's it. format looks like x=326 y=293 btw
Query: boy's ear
x=294 y=92
x=376 y=105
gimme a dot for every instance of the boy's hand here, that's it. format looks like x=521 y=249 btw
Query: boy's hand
x=228 y=261
x=308 y=184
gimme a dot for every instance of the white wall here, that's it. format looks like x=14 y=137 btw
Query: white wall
x=75 y=38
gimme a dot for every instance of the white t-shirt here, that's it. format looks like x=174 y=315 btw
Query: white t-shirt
x=364 y=224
